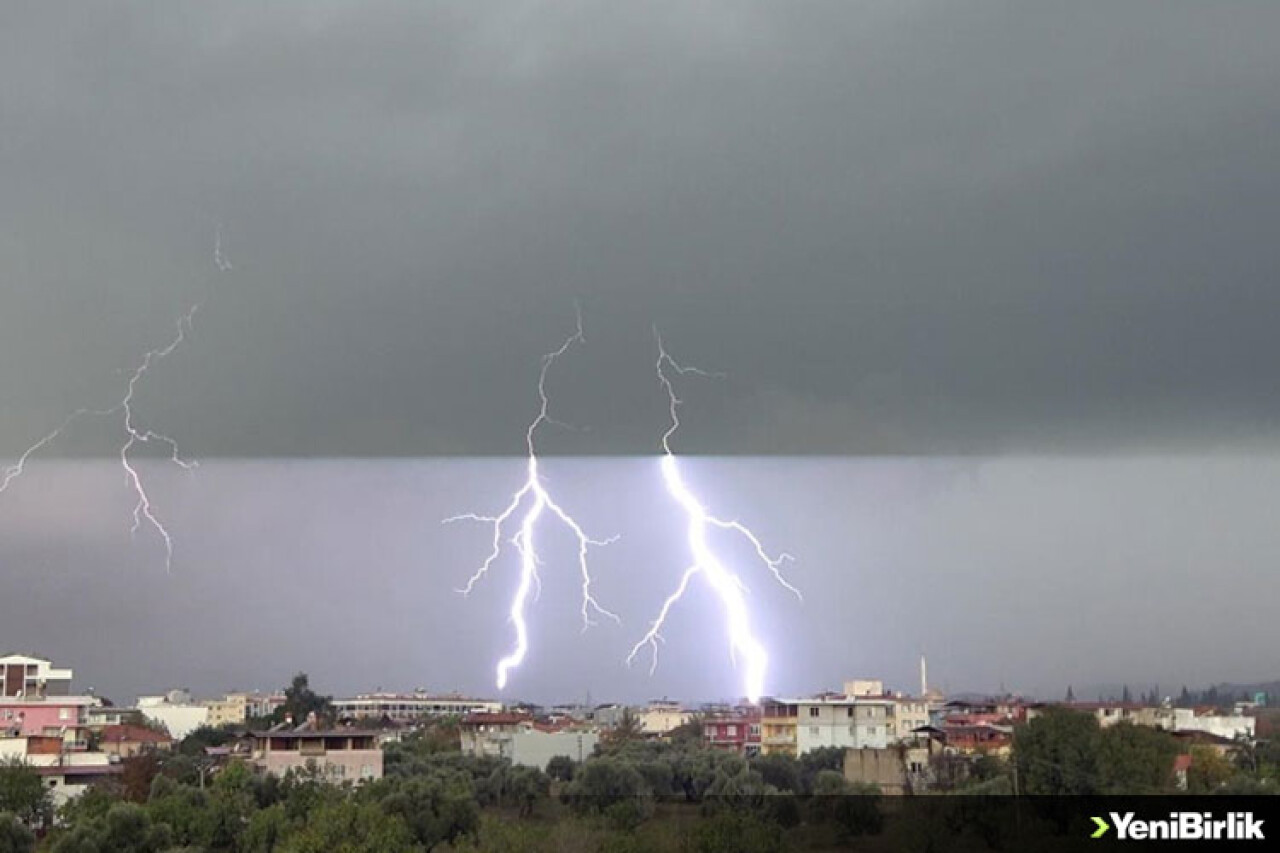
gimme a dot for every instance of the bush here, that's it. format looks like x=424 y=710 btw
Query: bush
x=561 y=768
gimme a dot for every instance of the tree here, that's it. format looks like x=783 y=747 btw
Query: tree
x=604 y=781
x=22 y=794
x=1134 y=760
x=627 y=730
x=14 y=837
x=125 y=828
x=1209 y=771
x=1071 y=695
x=779 y=771
x=525 y=786
x=435 y=808
x=1126 y=696
x=300 y=701
x=1056 y=753
x=350 y=827
x=688 y=733
x=561 y=768
x=815 y=761
x=194 y=744
x=136 y=775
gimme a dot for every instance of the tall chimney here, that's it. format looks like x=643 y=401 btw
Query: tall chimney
x=924 y=677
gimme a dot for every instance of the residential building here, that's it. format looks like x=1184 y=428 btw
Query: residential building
x=127 y=741
x=27 y=675
x=64 y=717
x=337 y=755
x=1208 y=720
x=230 y=710
x=608 y=716
x=864 y=687
x=410 y=707
x=843 y=721
x=778 y=722
x=907 y=714
x=797 y=726
x=66 y=773
x=523 y=741
x=738 y=731
x=98 y=717
x=661 y=716
x=489 y=734
x=176 y=711
x=261 y=705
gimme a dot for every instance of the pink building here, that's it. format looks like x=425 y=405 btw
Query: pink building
x=52 y=716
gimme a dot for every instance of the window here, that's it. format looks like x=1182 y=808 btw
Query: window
x=813 y=711
x=849 y=711
x=813 y=730
x=731 y=731
x=64 y=713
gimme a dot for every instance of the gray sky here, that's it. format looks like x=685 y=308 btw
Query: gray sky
x=899 y=227
x=910 y=233
x=1033 y=573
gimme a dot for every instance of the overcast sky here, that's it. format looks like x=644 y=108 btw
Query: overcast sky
x=1036 y=237
x=1022 y=572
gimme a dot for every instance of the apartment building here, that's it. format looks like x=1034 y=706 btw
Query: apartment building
x=797 y=726
x=64 y=717
x=65 y=773
x=176 y=711
x=661 y=716
x=523 y=741
x=337 y=755
x=26 y=675
x=410 y=707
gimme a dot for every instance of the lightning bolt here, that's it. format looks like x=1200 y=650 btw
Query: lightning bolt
x=533 y=495
x=143 y=509
x=724 y=582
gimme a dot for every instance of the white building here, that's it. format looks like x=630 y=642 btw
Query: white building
x=845 y=722
x=66 y=774
x=411 y=707
x=176 y=711
x=26 y=675
x=1232 y=726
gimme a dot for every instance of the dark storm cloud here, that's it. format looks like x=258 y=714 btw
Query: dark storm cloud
x=897 y=226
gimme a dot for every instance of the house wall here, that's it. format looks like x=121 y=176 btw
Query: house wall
x=535 y=748
x=336 y=765
x=882 y=767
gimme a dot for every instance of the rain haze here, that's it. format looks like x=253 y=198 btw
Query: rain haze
x=992 y=287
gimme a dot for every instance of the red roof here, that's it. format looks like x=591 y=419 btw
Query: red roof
x=1181 y=763
x=133 y=734
x=489 y=719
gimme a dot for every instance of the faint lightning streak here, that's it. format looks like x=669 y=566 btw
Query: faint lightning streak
x=134 y=435
x=523 y=539
x=726 y=584
x=143 y=508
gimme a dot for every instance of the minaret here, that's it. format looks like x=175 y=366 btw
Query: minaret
x=924 y=677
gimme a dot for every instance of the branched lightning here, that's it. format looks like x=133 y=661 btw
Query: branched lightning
x=726 y=584
x=523 y=538
x=144 y=509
